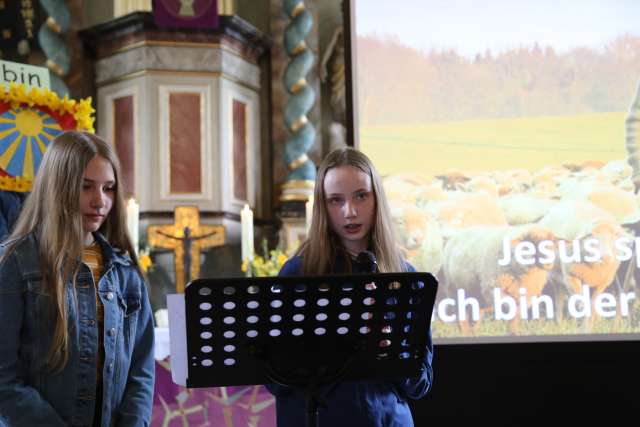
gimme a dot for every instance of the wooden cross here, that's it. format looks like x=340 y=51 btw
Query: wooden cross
x=186 y=237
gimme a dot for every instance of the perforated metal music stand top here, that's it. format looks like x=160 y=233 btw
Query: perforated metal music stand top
x=244 y=331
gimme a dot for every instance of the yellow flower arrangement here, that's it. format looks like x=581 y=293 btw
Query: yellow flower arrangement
x=18 y=184
x=16 y=95
x=82 y=111
x=269 y=264
x=144 y=260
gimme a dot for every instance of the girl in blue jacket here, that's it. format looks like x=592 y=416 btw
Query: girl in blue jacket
x=351 y=215
x=77 y=330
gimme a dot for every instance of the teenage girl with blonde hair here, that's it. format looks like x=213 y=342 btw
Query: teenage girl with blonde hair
x=77 y=345
x=351 y=215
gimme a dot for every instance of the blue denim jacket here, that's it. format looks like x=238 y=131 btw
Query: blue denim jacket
x=30 y=394
x=355 y=404
x=10 y=206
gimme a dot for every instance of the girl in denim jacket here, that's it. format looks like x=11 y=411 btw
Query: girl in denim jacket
x=351 y=215
x=77 y=342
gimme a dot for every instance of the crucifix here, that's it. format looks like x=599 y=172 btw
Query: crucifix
x=186 y=237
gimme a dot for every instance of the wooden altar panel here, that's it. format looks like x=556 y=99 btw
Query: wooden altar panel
x=185 y=143
x=124 y=141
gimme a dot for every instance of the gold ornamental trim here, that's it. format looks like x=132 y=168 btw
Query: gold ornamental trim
x=298 y=184
x=301 y=47
x=226 y=7
x=297 y=125
x=294 y=197
x=53 y=25
x=299 y=85
x=51 y=65
x=300 y=7
x=295 y=164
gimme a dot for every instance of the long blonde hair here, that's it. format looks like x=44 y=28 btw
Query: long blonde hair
x=52 y=214
x=323 y=246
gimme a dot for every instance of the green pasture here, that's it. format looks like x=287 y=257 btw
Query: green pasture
x=488 y=327
x=497 y=144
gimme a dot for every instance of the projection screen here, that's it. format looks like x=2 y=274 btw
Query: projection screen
x=499 y=128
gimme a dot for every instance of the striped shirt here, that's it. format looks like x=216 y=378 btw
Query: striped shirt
x=92 y=257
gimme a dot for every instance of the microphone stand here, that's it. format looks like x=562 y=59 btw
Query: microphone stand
x=366 y=262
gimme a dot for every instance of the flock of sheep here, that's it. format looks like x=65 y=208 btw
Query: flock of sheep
x=558 y=231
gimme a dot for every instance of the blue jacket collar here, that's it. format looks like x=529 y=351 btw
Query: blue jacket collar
x=110 y=254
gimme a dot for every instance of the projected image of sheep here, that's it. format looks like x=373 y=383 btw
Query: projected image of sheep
x=505 y=157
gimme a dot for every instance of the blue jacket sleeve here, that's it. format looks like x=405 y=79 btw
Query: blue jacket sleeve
x=10 y=206
x=418 y=387
x=20 y=404
x=293 y=267
x=137 y=401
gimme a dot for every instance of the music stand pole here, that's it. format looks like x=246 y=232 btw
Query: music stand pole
x=311 y=402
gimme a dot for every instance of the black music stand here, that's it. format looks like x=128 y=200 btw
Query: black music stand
x=305 y=332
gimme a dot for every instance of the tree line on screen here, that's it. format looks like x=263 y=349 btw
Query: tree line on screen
x=401 y=84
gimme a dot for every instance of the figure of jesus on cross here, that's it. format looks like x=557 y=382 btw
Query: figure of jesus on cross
x=186 y=237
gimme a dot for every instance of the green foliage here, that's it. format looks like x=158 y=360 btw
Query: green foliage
x=267 y=264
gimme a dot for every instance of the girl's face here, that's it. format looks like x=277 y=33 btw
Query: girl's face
x=351 y=206
x=96 y=196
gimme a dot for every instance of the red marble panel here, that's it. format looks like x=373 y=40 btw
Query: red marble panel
x=185 y=142
x=239 y=150
x=124 y=142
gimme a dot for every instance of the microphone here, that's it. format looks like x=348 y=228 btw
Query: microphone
x=366 y=262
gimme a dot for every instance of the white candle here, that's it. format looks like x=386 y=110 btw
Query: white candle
x=308 y=211
x=133 y=218
x=246 y=221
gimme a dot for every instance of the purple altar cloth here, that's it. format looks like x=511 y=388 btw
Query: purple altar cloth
x=238 y=406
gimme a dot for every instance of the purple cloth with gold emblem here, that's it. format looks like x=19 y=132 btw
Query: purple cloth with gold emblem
x=186 y=13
